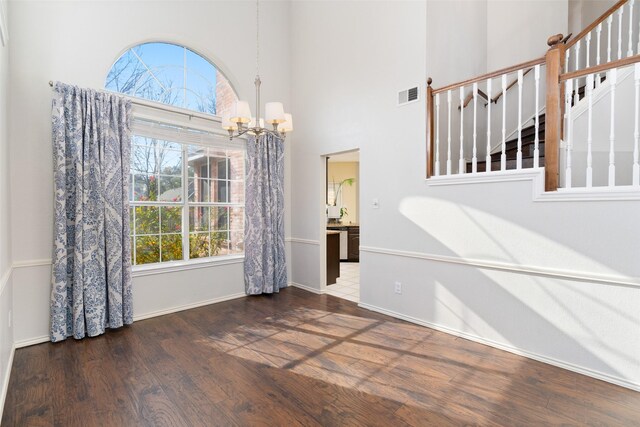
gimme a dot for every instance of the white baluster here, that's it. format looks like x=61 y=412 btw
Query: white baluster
x=612 y=77
x=461 y=168
x=598 y=32
x=567 y=55
x=487 y=158
x=589 y=131
x=449 y=132
x=636 y=133
x=620 y=13
x=536 y=150
x=588 y=49
x=569 y=128
x=437 y=168
x=519 y=154
x=630 y=50
x=609 y=22
x=474 y=160
x=638 y=51
x=503 y=156
x=576 y=96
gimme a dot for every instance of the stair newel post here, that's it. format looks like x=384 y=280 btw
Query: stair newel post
x=430 y=133
x=554 y=115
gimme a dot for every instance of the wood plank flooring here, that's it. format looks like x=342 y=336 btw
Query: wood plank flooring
x=297 y=359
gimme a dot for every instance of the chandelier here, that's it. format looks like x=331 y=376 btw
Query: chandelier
x=240 y=121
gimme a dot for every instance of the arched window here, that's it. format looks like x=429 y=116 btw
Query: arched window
x=186 y=185
x=173 y=75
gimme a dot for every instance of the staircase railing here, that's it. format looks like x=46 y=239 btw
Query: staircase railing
x=446 y=149
x=447 y=142
x=616 y=171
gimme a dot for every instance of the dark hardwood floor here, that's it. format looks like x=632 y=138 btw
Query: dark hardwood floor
x=297 y=359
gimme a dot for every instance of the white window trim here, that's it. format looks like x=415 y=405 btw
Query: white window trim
x=192 y=264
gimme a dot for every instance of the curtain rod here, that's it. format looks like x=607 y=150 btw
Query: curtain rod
x=150 y=104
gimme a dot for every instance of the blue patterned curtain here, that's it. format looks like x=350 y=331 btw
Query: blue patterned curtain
x=265 y=269
x=91 y=277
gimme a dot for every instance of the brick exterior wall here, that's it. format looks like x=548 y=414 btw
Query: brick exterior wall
x=225 y=96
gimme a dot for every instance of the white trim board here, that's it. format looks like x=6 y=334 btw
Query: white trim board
x=5 y=385
x=178 y=308
x=32 y=263
x=629 y=282
x=304 y=241
x=530 y=355
x=307 y=288
x=536 y=176
x=32 y=341
x=143 y=316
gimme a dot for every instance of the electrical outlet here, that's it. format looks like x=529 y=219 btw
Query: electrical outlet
x=398 y=288
x=10 y=318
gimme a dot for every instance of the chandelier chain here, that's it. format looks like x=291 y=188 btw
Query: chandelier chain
x=257 y=37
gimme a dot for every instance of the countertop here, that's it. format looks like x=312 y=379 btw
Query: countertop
x=341 y=226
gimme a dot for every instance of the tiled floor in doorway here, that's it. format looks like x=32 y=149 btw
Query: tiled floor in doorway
x=348 y=284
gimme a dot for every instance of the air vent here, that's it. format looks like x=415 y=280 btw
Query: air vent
x=408 y=96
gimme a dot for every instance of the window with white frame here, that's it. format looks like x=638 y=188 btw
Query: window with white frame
x=187 y=200
x=187 y=184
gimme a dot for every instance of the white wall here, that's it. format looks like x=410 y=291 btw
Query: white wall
x=517 y=31
x=6 y=297
x=546 y=279
x=76 y=42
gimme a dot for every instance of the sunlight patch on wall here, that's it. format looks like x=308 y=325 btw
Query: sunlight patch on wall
x=474 y=234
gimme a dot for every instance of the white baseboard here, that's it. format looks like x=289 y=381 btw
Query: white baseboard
x=45 y=338
x=307 y=288
x=32 y=341
x=540 y=358
x=5 y=385
x=186 y=306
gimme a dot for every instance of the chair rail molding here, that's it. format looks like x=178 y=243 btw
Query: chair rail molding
x=580 y=276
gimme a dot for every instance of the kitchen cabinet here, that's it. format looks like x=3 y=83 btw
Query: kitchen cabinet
x=353 y=245
x=333 y=256
x=349 y=241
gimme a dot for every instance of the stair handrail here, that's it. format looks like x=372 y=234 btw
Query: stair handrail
x=509 y=86
x=630 y=60
x=490 y=75
x=595 y=23
x=469 y=98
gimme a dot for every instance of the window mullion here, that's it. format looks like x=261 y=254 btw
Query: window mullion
x=185 y=203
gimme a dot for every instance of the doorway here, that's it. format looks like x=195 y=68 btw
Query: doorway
x=341 y=225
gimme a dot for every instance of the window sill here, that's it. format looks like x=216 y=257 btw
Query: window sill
x=176 y=266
